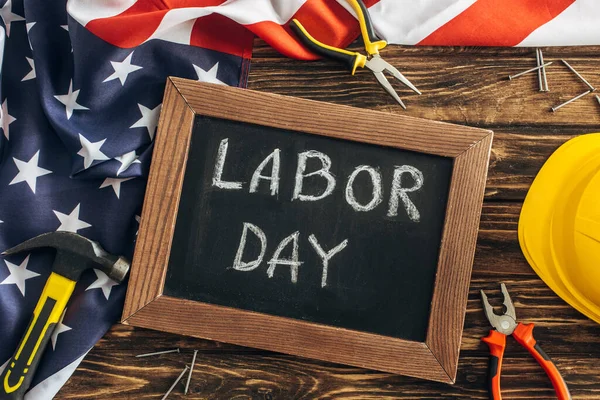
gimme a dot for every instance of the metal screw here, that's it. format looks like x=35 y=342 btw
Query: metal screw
x=580 y=77
x=157 y=353
x=570 y=101
x=511 y=77
x=175 y=383
x=537 y=59
x=598 y=98
x=187 y=384
x=543 y=71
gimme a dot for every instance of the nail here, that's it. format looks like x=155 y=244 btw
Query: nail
x=580 y=77
x=187 y=384
x=545 y=89
x=157 y=353
x=175 y=383
x=528 y=71
x=570 y=101
x=538 y=63
x=598 y=98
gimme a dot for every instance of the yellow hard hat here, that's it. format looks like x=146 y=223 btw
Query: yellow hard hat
x=559 y=226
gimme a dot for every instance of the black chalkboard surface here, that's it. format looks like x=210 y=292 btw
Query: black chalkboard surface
x=309 y=228
x=380 y=282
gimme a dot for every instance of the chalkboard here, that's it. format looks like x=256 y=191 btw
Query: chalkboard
x=380 y=282
x=308 y=228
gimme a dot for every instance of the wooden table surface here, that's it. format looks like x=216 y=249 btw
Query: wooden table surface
x=460 y=85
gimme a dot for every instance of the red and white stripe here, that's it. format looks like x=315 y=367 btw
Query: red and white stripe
x=230 y=25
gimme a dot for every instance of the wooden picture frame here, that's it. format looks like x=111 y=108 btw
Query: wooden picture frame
x=436 y=358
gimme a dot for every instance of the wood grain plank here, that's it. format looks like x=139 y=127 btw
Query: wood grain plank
x=516 y=159
x=273 y=376
x=465 y=85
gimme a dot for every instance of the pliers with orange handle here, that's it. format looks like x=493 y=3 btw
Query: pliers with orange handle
x=506 y=324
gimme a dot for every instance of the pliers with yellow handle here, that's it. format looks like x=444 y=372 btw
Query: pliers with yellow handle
x=506 y=324
x=352 y=59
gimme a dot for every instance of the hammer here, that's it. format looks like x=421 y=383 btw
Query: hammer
x=74 y=254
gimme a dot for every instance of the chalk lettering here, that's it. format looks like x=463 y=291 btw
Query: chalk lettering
x=240 y=265
x=399 y=192
x=323 y=172
x=274 y=178
x=218 y=172
x=325 y=257
x=292 y=262
x=377 y=194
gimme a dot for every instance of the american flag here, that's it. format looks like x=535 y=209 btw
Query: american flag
x=532 y=23
x=76 y=126
x=80 y=95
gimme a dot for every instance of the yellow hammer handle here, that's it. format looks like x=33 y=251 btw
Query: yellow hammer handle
x=20 y=370
x=372 y=43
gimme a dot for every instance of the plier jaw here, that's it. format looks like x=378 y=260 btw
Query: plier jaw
x=505 y=323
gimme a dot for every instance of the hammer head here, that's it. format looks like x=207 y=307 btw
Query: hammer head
x=75 y=254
